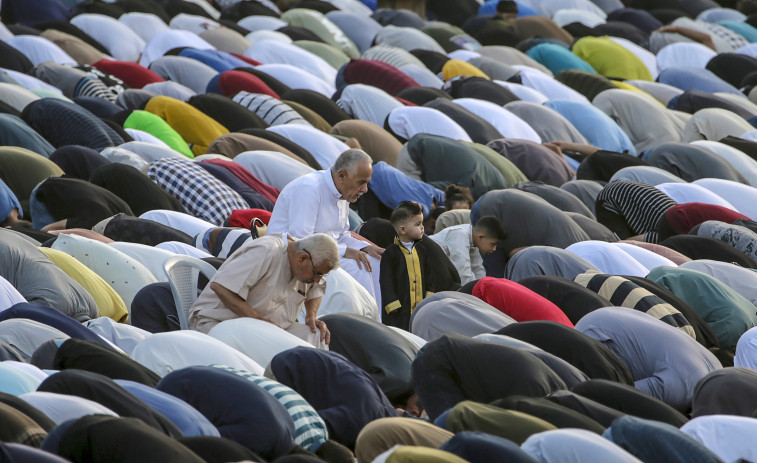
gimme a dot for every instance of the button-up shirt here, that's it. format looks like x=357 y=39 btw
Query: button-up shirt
x=312 y=204
x=457 y=243
x=259 y=273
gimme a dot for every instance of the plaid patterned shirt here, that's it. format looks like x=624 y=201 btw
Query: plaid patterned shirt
x=201 y=194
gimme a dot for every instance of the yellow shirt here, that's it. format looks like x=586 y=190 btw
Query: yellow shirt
x=109 y=303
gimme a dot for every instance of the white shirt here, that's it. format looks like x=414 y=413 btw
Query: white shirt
x=145 y=25
x=506 y=123
x=121 y=41
x=170 y=39
x=126 y=337
x=274 y=168
x=272 y=51
x=257 y=23
x=324 y=148
x=410 y=120
x=295 y=77
x=457 y=243
x=549 y=86
x=312 y=204
x=149 y=151
x=727 y=436
x=690 y=193
x=124 y=156
x=126 y=275
x=174 y=350
x=192 y=23
x=9 y=295
x=345 y=295
x=523 y=92
x=684 y=54
x=39 y=49
x=742 y=197
x=146 y=137
x=259 y=340
x=186 y=223
x=646 y=257
x=367 y=103
x=265 y=34
x=608 y=258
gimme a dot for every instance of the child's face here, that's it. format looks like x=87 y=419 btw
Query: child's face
x=484 y=244
x=413 y=228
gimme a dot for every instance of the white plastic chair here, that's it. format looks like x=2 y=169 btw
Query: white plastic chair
x=182 y=273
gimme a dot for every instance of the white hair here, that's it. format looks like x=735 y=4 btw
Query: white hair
x=349 y=160
x=322 y=249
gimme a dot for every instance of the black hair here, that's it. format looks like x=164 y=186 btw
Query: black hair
x=404 y=211
x=456 y=193
x=491 y=227
x=507 y=6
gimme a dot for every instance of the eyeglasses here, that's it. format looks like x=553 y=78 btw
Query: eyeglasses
x=315 y=272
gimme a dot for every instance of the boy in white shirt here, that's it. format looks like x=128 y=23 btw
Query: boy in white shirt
x=465 y=243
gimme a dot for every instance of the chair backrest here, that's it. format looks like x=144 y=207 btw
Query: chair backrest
x=182 y=273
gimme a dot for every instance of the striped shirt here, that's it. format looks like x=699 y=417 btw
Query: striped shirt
x=625 y=293
x=94 y=87
x=639 y=204
x=271 y=110
x=394 y=56
x=309 y=428
x=227 y=240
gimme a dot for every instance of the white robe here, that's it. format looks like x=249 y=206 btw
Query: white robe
x=311 y=204
x=258 y=339
x=174 y=350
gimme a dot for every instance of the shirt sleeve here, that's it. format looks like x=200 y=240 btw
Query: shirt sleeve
x=316 y=290
x=348 y=241
x=458 y=243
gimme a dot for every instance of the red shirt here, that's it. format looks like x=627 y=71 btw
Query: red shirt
x=517 y=301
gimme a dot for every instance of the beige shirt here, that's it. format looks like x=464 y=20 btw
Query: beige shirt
x=259 y=273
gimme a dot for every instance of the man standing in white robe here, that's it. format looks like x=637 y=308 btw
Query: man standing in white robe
x=319 y=203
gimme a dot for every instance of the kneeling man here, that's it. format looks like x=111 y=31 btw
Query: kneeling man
x=269 y=279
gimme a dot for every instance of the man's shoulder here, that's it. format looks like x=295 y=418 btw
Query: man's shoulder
x=312 y=179
x=268 y=244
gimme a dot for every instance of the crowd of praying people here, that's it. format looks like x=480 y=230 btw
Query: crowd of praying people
x=399 y=231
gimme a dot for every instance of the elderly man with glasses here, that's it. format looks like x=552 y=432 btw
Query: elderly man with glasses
x=269 y=279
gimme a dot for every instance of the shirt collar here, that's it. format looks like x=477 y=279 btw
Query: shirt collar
x=330 y=185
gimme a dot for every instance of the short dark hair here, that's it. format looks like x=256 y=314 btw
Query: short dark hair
x=491 y=227
x=404 y=211
x=507 y=6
